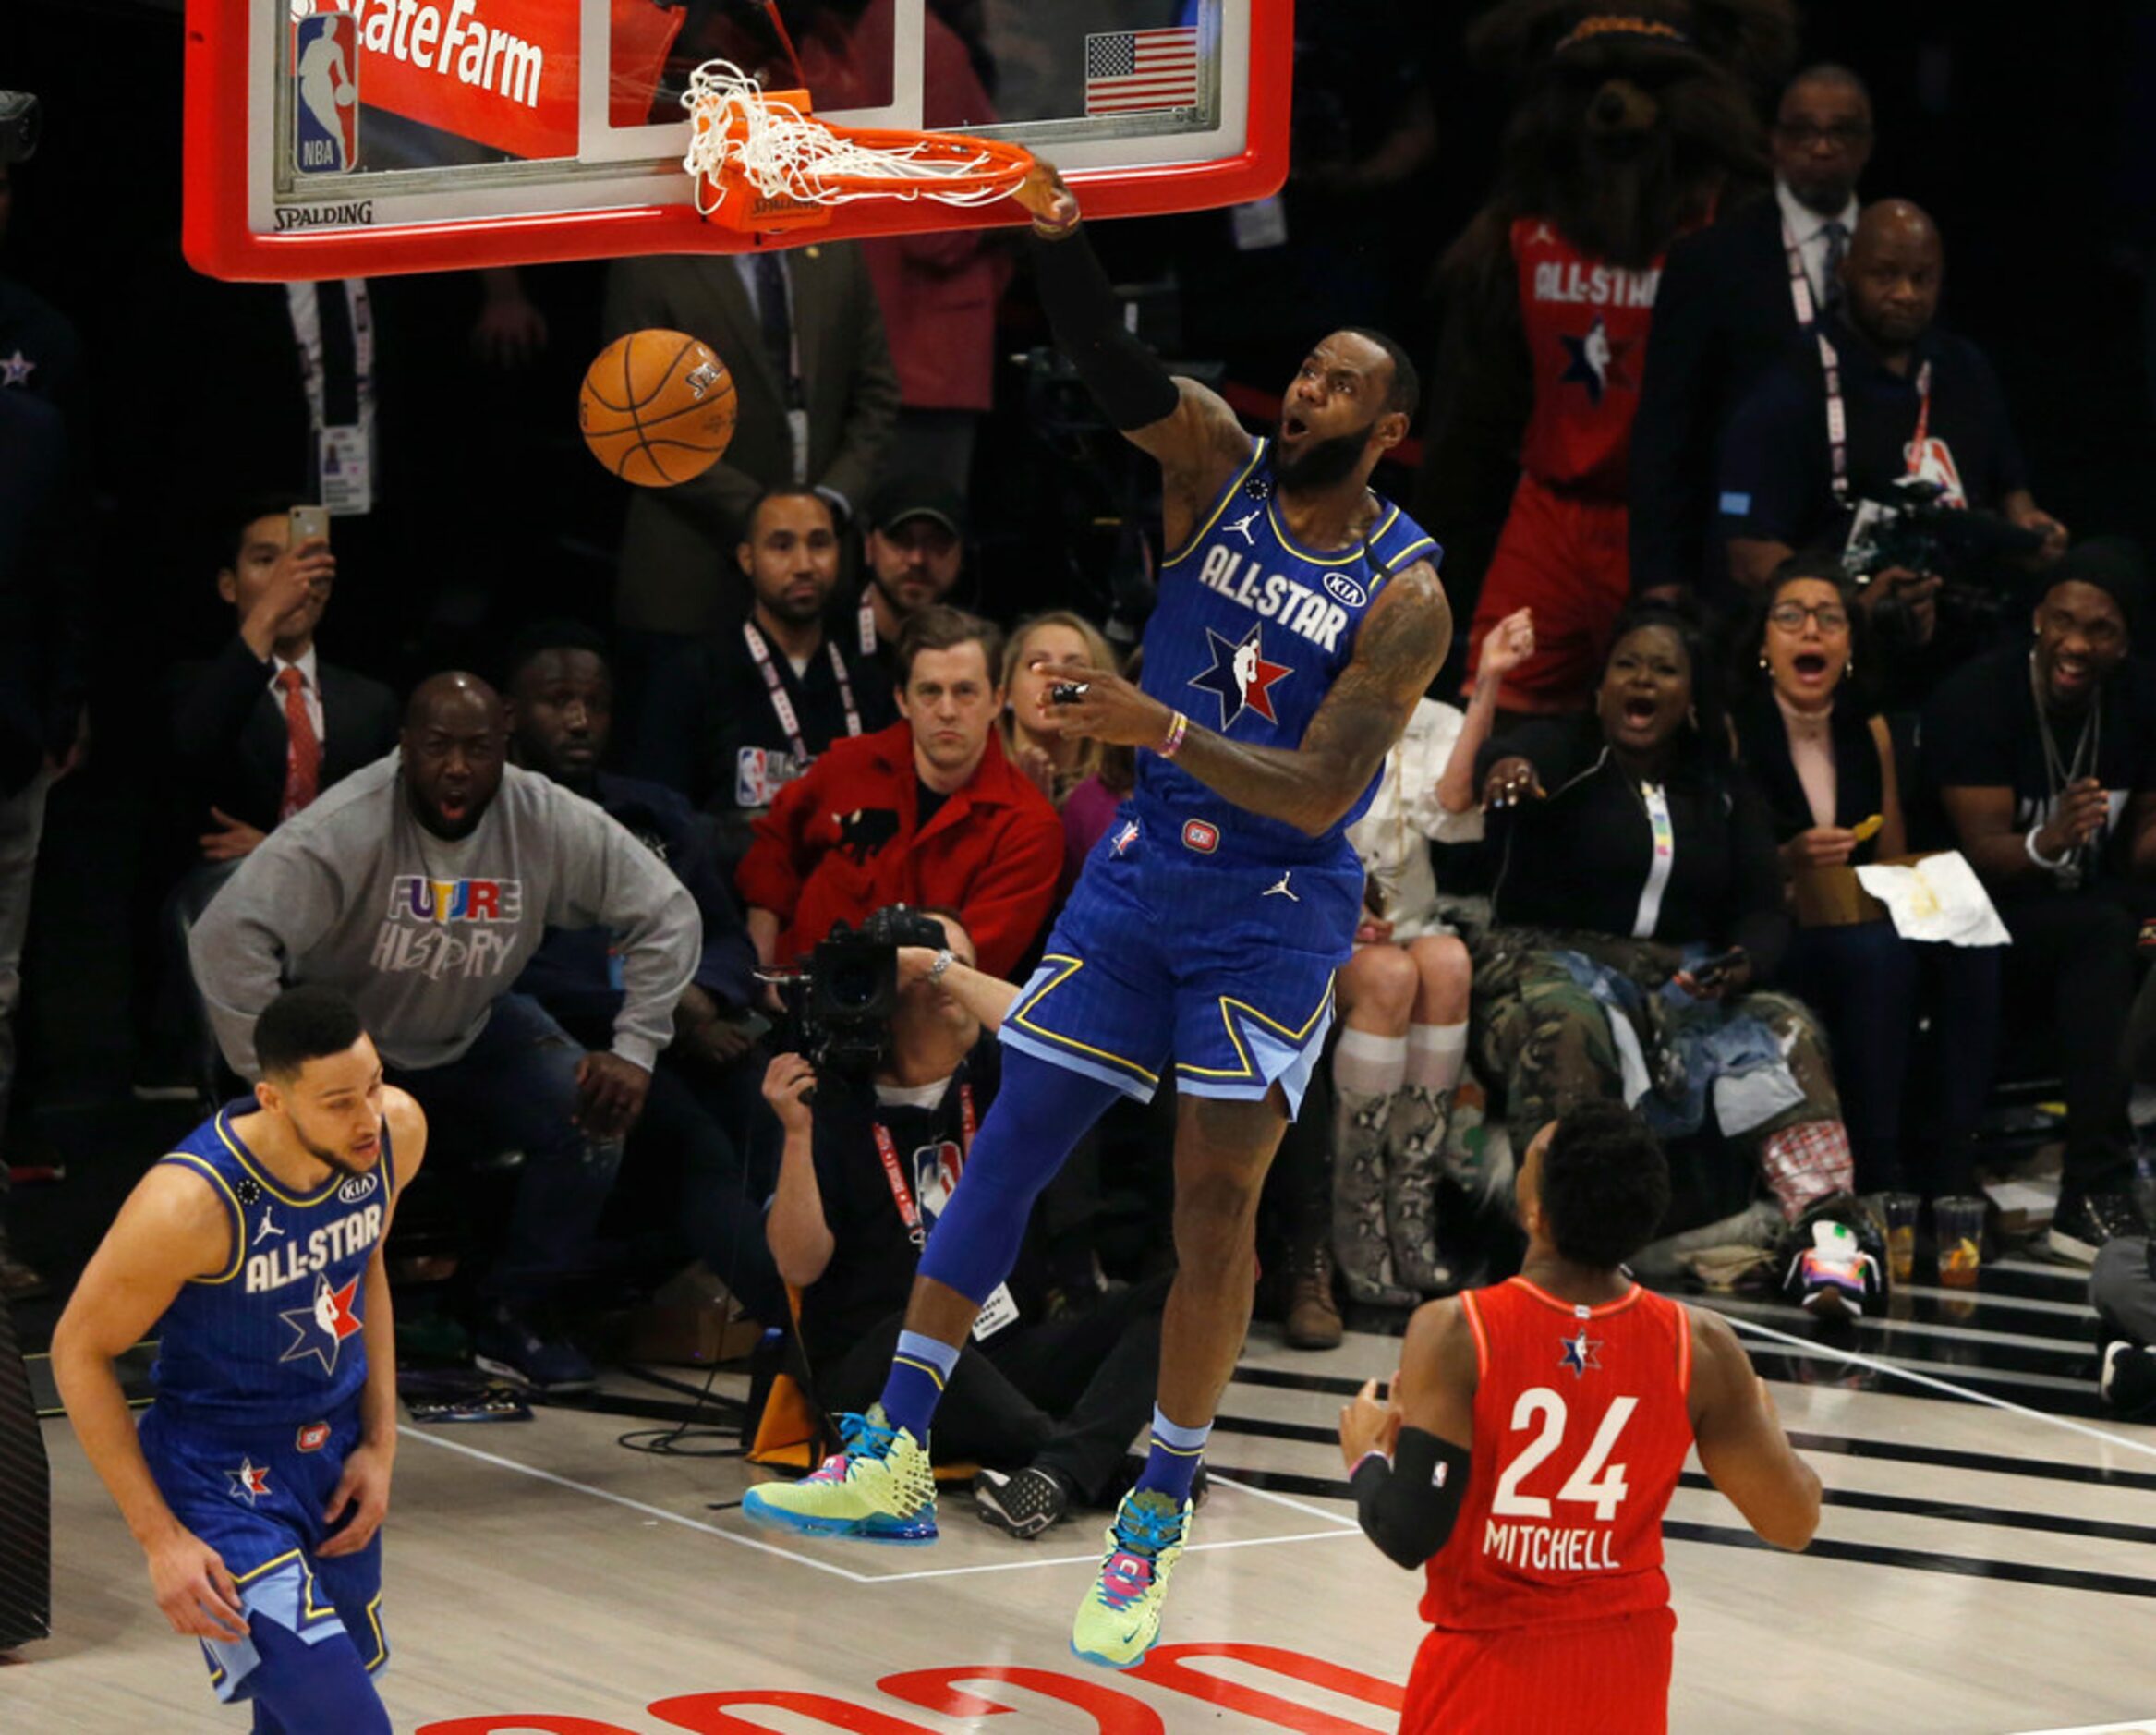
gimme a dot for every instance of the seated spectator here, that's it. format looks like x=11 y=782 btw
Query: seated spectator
x=2122 y=1288
x=1048 y=1407
x=1920 y=404
x=916 y=550
x=421 y=887
x=927 y=812
x=703 y=1114
x=1637 y=918
x=255 y=736
x=1403 y=1004
x=1824 y=761
x=2045 y=761
x=738 y=719
x=1057 y=765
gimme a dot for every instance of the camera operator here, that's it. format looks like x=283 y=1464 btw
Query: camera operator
x=867 y=1169
x=2045 y=761
x=1891 y=399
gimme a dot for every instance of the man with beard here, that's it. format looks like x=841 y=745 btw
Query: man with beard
x=2045 y=761
x=1903 y=401
x=420 y=886
x=915 y=549
x=1730 y=306
x=745 y=714
x=259 y=1480
x=1300 y=619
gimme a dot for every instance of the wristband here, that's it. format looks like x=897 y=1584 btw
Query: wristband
x=1172 y=744
x=2042 y=861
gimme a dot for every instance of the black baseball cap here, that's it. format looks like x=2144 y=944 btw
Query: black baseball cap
x=916 y=495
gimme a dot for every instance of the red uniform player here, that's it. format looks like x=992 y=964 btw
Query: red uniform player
x=1535 y=1437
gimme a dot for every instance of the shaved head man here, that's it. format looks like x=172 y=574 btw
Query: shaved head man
x=453 y=742
x=1891 y=277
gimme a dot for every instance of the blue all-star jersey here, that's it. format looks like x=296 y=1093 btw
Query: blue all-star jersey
x=275 y=1337
x=1249 y=633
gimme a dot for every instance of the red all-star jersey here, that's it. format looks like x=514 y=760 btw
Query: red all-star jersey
x=1582 y=1423
x=1586 y=324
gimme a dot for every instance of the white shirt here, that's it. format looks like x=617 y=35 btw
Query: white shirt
x=1392 y=837
x=1809 y=228
x=309 y=688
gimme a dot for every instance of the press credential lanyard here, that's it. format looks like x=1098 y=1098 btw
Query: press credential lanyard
x=901 y=1194
x=784 y=706
x=1830 y=364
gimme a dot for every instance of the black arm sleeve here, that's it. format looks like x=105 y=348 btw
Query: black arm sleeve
x=1124 y=376
x=1408 y=1507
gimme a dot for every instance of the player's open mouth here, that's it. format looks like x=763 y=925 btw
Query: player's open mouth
x=1293 y=426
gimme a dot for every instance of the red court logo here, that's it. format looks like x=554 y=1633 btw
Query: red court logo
x=1200 y=836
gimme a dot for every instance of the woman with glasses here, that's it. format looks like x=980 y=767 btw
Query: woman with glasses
x=1823 y=760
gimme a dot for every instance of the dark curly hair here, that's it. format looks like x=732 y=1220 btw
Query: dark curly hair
x=1604 y=1185
x=302 y=1025
x=1705 y=741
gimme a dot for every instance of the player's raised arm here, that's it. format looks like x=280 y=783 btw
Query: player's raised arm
x=172 y=1228
x=1742 y=1446
x=1192 y=432
x=1400 y=647
x=1408 y=1462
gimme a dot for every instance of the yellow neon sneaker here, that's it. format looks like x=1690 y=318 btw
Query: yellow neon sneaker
x=878 y=1487
x=1120 y=1615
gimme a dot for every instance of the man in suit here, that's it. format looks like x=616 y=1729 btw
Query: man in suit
x=801 y=331
x=1728 y=309
x=255 y=735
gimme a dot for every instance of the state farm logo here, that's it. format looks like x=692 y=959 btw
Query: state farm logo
x=495 y=72
x=1345 y=590
x=1200 y=836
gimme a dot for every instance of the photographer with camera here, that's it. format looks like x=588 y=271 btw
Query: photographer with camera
x=1893 y=415
x=879 y=1128
x=2046 y=761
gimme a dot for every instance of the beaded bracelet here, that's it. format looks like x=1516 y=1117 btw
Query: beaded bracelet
x=1172 y=744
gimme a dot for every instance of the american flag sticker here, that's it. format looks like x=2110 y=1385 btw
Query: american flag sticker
x=1139 y=72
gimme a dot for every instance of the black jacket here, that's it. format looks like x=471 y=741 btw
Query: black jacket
x=228 y=740
x=1722 y=318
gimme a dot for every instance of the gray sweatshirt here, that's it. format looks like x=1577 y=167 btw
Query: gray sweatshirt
x=424 y=934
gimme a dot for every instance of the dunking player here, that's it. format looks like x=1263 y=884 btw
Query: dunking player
x=1299 y=621
x=258 y=1481
x=1534 y=1440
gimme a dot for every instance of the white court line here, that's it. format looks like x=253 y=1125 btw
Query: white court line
x=1341 y=1527
x=1811 y=1347
x=1345 y=1524
x=2145 y=1725
x=638 y=1505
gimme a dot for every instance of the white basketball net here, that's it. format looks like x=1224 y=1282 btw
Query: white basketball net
x=786 y=154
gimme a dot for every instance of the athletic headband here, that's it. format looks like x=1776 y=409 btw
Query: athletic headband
x=1611 y=24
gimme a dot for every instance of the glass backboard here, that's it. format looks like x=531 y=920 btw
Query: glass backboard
x=340 y=138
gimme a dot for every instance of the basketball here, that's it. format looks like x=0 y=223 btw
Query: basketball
x=656 y=408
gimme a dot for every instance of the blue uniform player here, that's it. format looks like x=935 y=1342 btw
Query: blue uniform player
x=258 y=1480
x=1301 y=620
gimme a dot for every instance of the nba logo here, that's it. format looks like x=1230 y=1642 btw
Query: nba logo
x=325 y=93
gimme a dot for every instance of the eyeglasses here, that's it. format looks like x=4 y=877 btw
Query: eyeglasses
x=1844 y=135
x=1791 y=616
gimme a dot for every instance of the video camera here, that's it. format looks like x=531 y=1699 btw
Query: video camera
x=18 y=127
x=842 y=1000
x=1909 y=529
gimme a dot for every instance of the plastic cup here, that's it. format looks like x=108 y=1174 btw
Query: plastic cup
x=1960 y=1226
x=1901 y=1234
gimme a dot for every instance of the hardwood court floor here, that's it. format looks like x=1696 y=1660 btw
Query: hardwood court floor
x=1978 y=1570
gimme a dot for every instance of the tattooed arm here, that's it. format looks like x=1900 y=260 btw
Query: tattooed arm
x=1401 y=646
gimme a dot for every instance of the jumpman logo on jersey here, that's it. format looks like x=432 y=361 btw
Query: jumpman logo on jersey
x=1241 y=525
x=1579 y=1352
x=1241 y=678
x=250 y=1481
x=265 y=1229
x=1596 y=363
x=320 y=1329
x=1282 y=890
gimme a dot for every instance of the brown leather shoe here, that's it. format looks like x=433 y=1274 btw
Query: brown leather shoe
x=1312 y=1321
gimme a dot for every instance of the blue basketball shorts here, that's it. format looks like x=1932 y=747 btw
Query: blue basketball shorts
x=256 y=1495
x=1170 y=953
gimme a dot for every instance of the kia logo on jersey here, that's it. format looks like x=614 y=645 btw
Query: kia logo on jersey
x=1345 y=590
x=325 y=93
x=358 y=1188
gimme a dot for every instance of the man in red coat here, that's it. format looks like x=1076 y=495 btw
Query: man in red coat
x=927 y=812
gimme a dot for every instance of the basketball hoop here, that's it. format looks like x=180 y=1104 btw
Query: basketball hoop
x=763 y=162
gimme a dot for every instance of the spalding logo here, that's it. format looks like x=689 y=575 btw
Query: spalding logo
x=1345 y=590
x=356 y=1188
